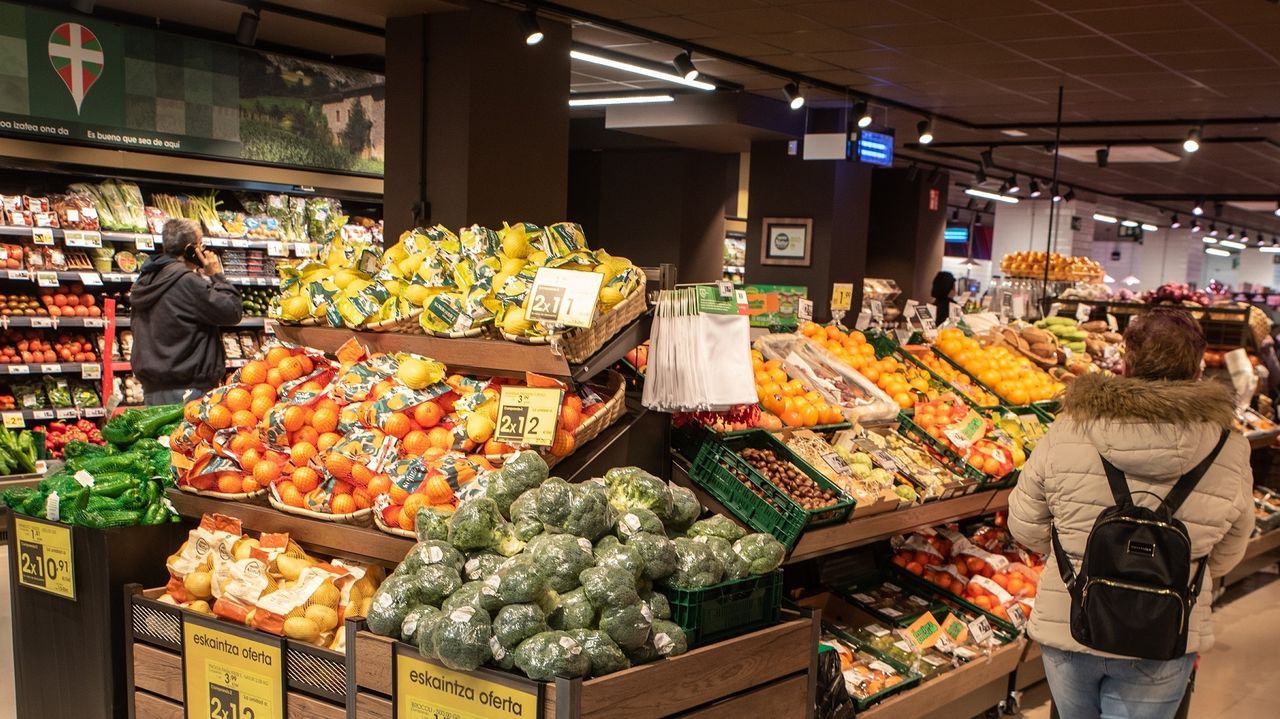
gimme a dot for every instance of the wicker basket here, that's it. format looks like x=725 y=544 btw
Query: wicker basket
x=377 y=522
x=358 y=518
x=258 y=497
x=405 y=325
x=579 y=344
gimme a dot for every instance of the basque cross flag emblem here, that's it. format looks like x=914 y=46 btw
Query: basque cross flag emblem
x=77 y=57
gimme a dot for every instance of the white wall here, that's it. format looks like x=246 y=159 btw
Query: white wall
x=1164 y=256
x=1246 y=266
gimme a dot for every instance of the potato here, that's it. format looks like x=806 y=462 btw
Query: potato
x=200 y=606
x=302 y=629
x=295 y=613
x=364 y=607
x=243 y=547
x=327 y=594
x=291 y=567
x=324 y=617
x=199 y=584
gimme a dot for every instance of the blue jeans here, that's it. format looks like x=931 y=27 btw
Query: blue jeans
x=1086 y=686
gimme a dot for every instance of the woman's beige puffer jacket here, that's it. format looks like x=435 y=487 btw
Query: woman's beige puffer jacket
x=1153 y=431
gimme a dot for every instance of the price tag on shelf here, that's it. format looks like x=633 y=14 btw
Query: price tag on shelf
x=877 y=311
x=564 y=297
x=50 y=368
x=1082 y=312
x=426 y=690
x=50 y=278
x=66 y=413
x=19 y=369
x=13 y=420
x=528 y=415
x=924 y=632
x=45 y=559
x=94 y=322
x=42 y=236
x=42 y=414
x=81 y=238
x=925 y=315
x=842 y=296
x=837 y=463
x=1017 y=616
x=41 y=322
x=90 y=370
x=980 y=630
x=804 y=310
x=145 y=243
x=277 y=249
x=90 y=279
x=231 y=673
x=240 y=243
x=863 y=321
x=725 y=288
x=19 y=275
x=303 y=249
x=95 y=411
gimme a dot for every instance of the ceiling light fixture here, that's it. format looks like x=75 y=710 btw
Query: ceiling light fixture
x=1198 y=209
x=247 y=30
x=606 y=100
x=955 y=215
x=925 y=128
x=975 y=192
x=863 y=111
x=586 y=54
x=1232 y=244
x=1014 y=187
x=1209 y=240
x=1231 y=234
x=1192 y=143
x=1244 y=236
x=1148 y=227
x=1103 y=154
x=1069 y=195
x=1270 y=249
x=1216 y=252
x=1033 y=188
x=684 y=65
x=1195 y=226
x=1057 y=193
x=989 y=157
x=1175 y=223
x=1105 y=218
x=792 y=92
x=1129 y=223
x=532 y=31
x=1213 y=229
x=1004 y=187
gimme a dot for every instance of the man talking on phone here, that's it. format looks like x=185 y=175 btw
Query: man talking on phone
x=180 y=301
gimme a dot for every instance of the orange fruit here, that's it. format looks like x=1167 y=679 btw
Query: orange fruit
x=428 y=414
x=327 y=440
x=380 y=484
x=249 y=459
x=205 y=432
x=301 y=453
x=306 y=479
x=312 y=387
x=307 y=434
x=570 y=418
x=276 y=355
x=338 y=464
x=408 y=520
x=397 y=494
x=219 y=417
x=564 y=444
x=364 y=500
x=342 y=504
x=264 y=390
x=240 y=442
x=290 y=368
x=262 y=405
x=396 y=424
x=413 y=503
x=340 y=487
x=243 y=418
x=290 y=494
x=266 y=472
x=191 y=411
x=324 y=419
x=274 y=378
x=440 y=437
x=254 y=372
x=294 y=418
x=494 y=448
x=391 y=516
x=360 y=474
x=414 y=443
x=237 y=398
x=307 y=365
x=230 y=483
x=250 y=485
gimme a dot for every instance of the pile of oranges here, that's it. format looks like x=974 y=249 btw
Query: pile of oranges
x=1013 y=377
x=965 y=574
x=788 y=402
x=905 y=383
x=954 y=377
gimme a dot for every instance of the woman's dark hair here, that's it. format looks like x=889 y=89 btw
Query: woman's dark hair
x=943 y=283
x=1163 y=344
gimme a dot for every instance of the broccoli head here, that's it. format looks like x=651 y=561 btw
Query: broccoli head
x=590 y=515
x=762 y=552
x=417 y=621
x=632 y=487
x=696 y=565
x=555 y=500
x=525 y=506
x=468 y=595
x=516 y=623
x=623 y=557
x=669 y=638
x=562 y=557
x=605 y=656
x=659 y=555
x=481 y=564
x=627 y=626
x=505 y=540
x=523 y=472
x=637 y=520
x=401 y=592
x=717 y=526
x=735 y=567
x=529 y=467
x=433 y=551
x=573 y=611
x=685 y=509
x=517 y=581
x=460 y=638
x=437 y=582
x=432 y=523
x=474 y=524
x=609 y=587
x=659 y=607
x=552 y=654
x=527 y=529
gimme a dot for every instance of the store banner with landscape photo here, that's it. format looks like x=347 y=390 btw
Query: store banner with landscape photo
x=81 y=80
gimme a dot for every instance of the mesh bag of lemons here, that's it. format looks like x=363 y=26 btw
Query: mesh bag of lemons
x=450 y=282
x=269 y=583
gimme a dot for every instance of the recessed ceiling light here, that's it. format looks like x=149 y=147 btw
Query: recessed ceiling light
x=1209 y=240
x=606 y=100
x=1192 y=143
x=1129 y=223
x=975 y=192
x=1216 y=251
x=1014 y=133
x=863 y=112
x=1198 y=209
x=1213 y=229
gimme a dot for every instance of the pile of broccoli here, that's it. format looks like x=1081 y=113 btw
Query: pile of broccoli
x=560 y=579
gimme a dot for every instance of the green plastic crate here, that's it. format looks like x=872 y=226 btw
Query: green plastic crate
x=1003 y=626
x=784 y=518
x=727 y=609
x=954 y=462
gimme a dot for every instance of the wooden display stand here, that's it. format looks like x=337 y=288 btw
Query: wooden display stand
x=70 y=653
x=768 y=673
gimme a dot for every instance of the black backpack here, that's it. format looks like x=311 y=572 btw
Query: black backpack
x=1135 y=590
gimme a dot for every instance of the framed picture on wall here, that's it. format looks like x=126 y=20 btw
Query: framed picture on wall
x=786 y=241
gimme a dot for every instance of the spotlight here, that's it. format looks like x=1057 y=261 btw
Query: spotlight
x=980 y=175
x=989 y=156
x=1211 y=241
x=1276 y=211
x=1244 y=236
x=529 y=26
x=1198 y=209
x=1213 y=229
x=1057 y=193
x=1195 y=226
x=1231 y=234
x=792 y=93
x=1070 y=195
x=1004 y=187
x=1034 y=188
x=1175 y=223
x=247 y=30
x=1192 y=143
x=84 y=6
x=684 y=66
x=863 y=111
x=990 y=197
x=1014 y=187
x=1103 y=153
x=925 y=128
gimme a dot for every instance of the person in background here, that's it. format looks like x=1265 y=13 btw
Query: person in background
x=944 y=288
x=1154 y=424
x=180 y=300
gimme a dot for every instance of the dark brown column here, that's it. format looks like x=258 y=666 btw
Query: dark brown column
x=908 y=217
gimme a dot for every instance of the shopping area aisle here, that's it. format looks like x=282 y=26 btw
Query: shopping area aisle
x=1237 y=678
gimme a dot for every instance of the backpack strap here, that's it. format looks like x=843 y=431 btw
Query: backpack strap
x=1187 y=483
x=1196 y=582
x=1064 y=560
x=1119 y=486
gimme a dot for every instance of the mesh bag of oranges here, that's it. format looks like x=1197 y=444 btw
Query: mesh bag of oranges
x=972 y=437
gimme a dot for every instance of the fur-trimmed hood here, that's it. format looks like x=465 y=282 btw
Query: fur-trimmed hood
x=1094 y=397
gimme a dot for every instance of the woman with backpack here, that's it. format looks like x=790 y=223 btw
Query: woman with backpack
x=1140 y=495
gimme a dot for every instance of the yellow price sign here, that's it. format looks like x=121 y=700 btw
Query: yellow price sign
x=231 y=673
x=842 y=296
x=528 y=415
x=13 y=420
x=45 y=560
x=426 y=690
x=924 y=632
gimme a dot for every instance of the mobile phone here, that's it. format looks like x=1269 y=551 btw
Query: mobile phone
x=192 y=254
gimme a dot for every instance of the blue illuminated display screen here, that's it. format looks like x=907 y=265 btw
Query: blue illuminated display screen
x=956 y=234
x=875 y=148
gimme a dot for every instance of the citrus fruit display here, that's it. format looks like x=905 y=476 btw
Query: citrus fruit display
x=959 y=428
x=978 y=568
x=1013 y=377
x=952 y=376
x=789 y=401
x=904 y=382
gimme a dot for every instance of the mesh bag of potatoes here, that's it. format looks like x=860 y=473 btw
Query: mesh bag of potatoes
x=238 y=584
x=209 y=547
x=313 y=598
